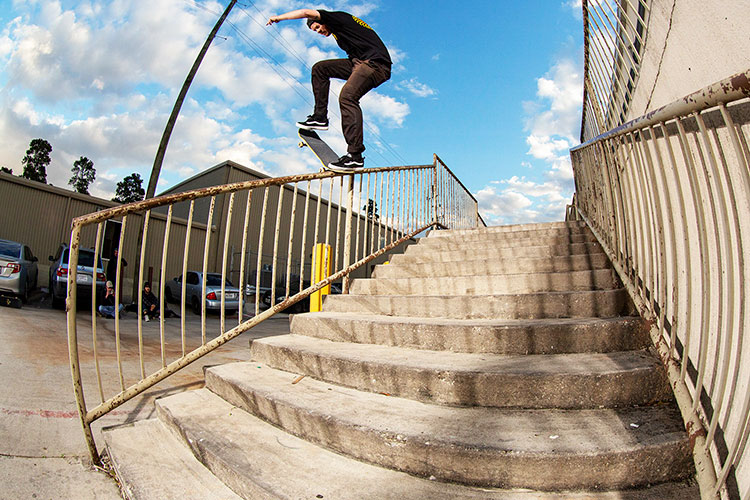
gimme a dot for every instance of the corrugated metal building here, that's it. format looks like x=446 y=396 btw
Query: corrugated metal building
x=40 y=215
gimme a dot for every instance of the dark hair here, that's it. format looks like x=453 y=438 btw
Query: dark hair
x=146 y=284
x=310 y=21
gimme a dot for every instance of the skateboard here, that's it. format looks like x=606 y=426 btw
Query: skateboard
x=323 y=151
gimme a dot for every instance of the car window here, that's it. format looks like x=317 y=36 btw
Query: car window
x=27 y=253
x=192 y=279
x=10 y=249
x=59 y=251
x=215 y=280
x=85 y=258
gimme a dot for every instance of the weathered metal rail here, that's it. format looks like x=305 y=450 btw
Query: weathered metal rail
x=668 y=196
x=614 y=34
x=399 y=204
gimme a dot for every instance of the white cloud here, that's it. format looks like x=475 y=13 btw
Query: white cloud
x=99 y=80
x=553 y=120
x=384 y=108
x=417 y=88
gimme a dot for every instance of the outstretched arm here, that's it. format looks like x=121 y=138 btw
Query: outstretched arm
x=295 y=14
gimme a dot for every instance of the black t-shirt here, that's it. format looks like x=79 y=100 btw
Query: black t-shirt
x=355 y=37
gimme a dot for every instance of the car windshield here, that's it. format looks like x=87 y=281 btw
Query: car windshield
x=10 y=249
x=85 y=258
x=215 y=280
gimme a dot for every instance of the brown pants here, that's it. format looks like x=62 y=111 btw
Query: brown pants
x=361 y=77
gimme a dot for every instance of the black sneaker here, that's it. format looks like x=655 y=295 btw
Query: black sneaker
x=313 y=123
x=347 y=163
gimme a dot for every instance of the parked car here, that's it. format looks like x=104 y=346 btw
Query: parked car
x=194 y=289
x=301 y=306
x=18 y=269
x=58 y=275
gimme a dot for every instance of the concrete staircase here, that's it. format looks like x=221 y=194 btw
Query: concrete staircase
x=496 y=363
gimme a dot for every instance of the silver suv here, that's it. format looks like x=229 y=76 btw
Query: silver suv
x=58 y=275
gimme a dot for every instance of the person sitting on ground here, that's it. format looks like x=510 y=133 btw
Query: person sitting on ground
x=107 y=308
x=151 y=305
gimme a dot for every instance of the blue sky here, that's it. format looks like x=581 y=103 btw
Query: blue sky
x=492 y=87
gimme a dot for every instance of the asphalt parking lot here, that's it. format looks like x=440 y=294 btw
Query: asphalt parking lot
x=42 y=451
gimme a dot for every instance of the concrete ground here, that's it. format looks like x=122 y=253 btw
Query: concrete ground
x=42 y=451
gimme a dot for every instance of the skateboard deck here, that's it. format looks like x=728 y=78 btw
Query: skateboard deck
x=323 y=151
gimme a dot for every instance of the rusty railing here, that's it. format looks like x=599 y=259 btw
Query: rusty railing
x=668 y=196
x=277 y=220
x=614 y=34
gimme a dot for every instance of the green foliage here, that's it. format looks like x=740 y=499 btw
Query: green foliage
x=83 y=175
x=37 y=160
x=6 y=170
x=130 y=189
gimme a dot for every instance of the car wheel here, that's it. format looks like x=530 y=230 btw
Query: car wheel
x=195 y=304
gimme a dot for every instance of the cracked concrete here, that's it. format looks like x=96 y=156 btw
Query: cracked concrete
x=42 y=451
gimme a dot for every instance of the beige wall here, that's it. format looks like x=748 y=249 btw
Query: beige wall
x=40 y=216
x=690 y=44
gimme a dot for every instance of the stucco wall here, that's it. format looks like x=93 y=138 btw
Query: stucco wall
x=690 y=44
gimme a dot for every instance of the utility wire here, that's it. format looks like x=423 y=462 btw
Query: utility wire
x=296 y=55
x=275 y=64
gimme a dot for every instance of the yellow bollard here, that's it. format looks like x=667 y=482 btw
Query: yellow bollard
x=321 y=269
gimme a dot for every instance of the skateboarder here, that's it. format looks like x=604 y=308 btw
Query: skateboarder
x=368 y=66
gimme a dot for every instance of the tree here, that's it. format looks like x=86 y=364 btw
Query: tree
x=83 y=175
x=36 y=160
x=372 y=210
x=130 y=189
x=6 y=170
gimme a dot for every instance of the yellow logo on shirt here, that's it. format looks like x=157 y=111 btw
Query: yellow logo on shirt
x=362 y=23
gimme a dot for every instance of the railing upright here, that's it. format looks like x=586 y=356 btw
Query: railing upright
x=667 y=196
x=406 y=201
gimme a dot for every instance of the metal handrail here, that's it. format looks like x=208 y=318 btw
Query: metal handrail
x=668 y=195
x=610 y=72
x=411 y=200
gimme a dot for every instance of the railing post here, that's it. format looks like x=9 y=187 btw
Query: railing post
x=75 y=366
x=435 y=187
x=348 y=232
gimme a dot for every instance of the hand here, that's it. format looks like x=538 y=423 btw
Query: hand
x=272 y=20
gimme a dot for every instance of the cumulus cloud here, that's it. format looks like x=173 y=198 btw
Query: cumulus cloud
x=552 y=123
x=417 y=88
x=99 y=79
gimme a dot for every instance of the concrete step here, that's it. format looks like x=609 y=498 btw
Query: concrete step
x=488 y=267
x=422 y=253
x=572 y=226
x=494 y=284
x=446 y=244
x=151 y=462
x=262 y=461
x=525 y=238
x=588 y=380
x=536 y=336
x=537 y=449
x=575 y=304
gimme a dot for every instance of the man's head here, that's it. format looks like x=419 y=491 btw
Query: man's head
x=147 y=286
x=317 y=27
x=110 y=286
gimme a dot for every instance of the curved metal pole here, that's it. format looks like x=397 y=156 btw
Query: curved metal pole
x=156 y=169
